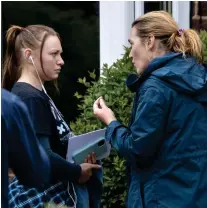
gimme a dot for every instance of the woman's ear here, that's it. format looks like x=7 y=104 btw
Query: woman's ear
x=150 y=42
x=27 y=53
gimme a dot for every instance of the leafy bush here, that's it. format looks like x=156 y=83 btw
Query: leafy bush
x=111 y=86
x=203 y=36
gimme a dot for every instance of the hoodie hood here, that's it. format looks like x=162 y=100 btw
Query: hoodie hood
x=184 y=75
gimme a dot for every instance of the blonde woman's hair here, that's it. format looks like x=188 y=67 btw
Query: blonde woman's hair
x=164 y=27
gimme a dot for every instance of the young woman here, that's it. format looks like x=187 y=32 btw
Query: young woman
x=33 y=56
x=165 y=144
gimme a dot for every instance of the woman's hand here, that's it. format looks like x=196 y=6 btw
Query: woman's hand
x=91 y=158
x=87 y=166
x=102 y=112
x=86 y=171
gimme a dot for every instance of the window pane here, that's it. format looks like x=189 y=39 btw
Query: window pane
x=157 y=5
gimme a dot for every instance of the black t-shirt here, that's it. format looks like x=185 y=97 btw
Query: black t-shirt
x=38 y=106
x=43 y=120
x=47 y=123
x=40 y=112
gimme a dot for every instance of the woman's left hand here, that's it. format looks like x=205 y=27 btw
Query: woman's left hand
x=102 y=112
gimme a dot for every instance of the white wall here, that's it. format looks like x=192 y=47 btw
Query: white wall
x=115 y=23
x=181 y=13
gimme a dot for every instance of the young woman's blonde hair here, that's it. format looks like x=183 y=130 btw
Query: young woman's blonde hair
x=164 y=27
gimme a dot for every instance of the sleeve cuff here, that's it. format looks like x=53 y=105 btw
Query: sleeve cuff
x=76 y=171
x=110 y=129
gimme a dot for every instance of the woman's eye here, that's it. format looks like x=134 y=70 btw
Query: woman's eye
x=54 y=54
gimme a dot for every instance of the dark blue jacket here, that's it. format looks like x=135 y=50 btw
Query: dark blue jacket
x=165 y=144
x=20 y=148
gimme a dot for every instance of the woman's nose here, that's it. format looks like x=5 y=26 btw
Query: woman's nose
x=60 y=62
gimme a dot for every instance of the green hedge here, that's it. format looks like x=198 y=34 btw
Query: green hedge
x=203 y=36
x=111 y=86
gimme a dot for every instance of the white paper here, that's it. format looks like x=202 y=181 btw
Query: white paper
x=79 y=141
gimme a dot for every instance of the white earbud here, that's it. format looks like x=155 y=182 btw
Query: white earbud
x=30 y=57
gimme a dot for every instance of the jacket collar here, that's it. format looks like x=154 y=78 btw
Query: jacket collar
x=134 y=81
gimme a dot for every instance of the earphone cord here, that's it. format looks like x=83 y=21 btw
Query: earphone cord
x=44 y=87
x=38 y=75
x=73 y=200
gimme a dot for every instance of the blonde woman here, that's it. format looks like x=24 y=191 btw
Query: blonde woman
x=165 y=144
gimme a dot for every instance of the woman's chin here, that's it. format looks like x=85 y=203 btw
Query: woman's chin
x=139 y=71
x=54 y=77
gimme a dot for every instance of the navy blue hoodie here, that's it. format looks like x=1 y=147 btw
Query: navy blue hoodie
x=20 y=149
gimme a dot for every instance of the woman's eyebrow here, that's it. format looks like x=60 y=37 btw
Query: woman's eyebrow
x=55 y=49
